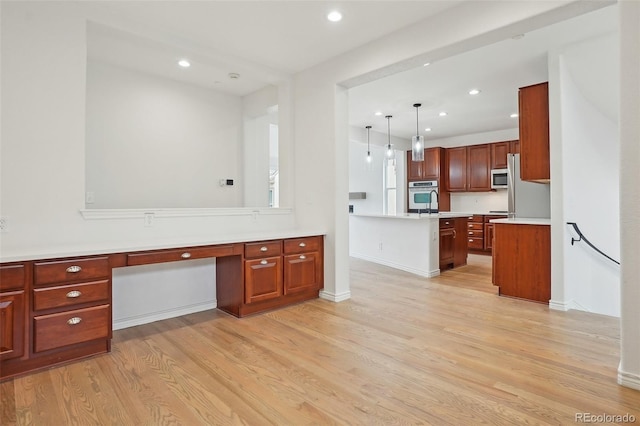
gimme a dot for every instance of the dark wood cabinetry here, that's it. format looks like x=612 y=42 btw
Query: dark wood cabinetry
x=533 y=103
x=522 y=261
x=428 y=169
x=456 y=166
x=478 y=168
x=475 y=233
x=468 y=168
x=453 y=244
x=54 y=311
x=499 y=151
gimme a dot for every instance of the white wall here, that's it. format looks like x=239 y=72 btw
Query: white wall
x=590 y=179
x=170 y=142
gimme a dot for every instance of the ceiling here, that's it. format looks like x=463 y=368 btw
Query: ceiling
x=268 y=41
x=497 y=70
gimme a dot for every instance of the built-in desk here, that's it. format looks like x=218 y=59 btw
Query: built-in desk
x=57 y=309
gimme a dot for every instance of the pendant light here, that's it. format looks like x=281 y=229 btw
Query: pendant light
x=391 y=154
x=369 y=159
x=417 y=142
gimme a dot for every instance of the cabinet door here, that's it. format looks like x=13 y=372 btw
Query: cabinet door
x=263 y=279
x=499 y=151
x=488 y=236
x=460 y=249
x=431 y=164
x=302 y=272
x=456 y=160
x=514 y=147
x=533 y=104
x=12 y=326
x=479 y=174
x=447 y=245
x=414 y=168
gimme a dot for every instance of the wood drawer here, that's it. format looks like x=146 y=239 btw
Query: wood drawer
x=446 y=223
x=71 y=270
x=263 y=249
x=58 y=330
x=475 y=243
x=478 y=218
x=475 y=233
x=69 y=295
x=475 y=226
x=174 y=255
x=302 y=245
x=12 y=277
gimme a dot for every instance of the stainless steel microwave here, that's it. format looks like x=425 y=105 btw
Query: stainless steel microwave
x=499 y=179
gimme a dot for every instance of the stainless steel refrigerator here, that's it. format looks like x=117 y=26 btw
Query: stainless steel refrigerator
x=526 y=199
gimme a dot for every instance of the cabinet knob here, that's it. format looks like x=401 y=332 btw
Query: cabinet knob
x=74 y=320
x=446 y=223
x=74 y=269
x=470 y=240
x=74 y=294
x=185 y=255
x=302 y=256
x=470 y=233
x=263 y=262
x=263 y=248
x=302 y=245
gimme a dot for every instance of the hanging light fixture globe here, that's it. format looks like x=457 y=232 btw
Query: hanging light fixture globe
x=417 y=142
x=391 y=154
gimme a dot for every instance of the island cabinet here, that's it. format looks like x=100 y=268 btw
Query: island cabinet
x=453 y=242
x=522 y=260
x=533 y=104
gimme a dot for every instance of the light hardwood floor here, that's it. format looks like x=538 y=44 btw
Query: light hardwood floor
x=403 y=350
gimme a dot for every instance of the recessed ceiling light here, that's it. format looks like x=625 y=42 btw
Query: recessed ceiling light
x=474 y=91
x=442 y=114
x=378 y=113
x=426 y=64
x=428 y=129
x=514 y=115
x=184 y=63
x=334 y=16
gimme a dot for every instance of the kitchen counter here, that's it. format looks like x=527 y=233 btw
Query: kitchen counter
x=415 y=216
x=523 y=221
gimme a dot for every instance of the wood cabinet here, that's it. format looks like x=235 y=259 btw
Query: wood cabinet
x=456 y=166
x=302 y=265
x=468 y=168
x=475 y=233
x=522 y=261
x=533 y=104
x=453 y=244
x=12 y=311
x=478 y=168
x=428 y=169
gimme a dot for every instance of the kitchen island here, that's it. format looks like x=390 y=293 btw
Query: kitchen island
x=407 y=241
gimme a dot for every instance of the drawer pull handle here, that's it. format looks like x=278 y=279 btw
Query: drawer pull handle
x=303 y=257
x=263 y=262
x=74 y=269
x=185 y=255
x=302 y=245
x=470 y=233
x=73 y=294
x=74 y=320
x=470 y=241
x=446 y=223
x=263 y=248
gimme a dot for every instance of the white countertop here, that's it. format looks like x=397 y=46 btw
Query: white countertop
x=414 y=216
x=523 y=221
x=109 y=247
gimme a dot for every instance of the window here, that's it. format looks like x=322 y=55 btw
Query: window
x=390 y=191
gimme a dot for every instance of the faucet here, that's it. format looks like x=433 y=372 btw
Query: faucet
x=433 y=191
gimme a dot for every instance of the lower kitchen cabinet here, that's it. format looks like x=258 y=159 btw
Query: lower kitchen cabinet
x=262 y=279
x=12 y=327
x=453 y=242
x=522 y=261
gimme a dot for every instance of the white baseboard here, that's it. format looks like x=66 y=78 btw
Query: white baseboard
x=560 y=306
x=157 y=316
x=335 y=297
x=420 y=272
x=629 y=380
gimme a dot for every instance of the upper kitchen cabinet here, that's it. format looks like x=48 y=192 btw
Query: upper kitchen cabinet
x=428 y=169
x=468 y=168
x=478 y=172
x=456 y=167
x=499 y=151
x=533 y=103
